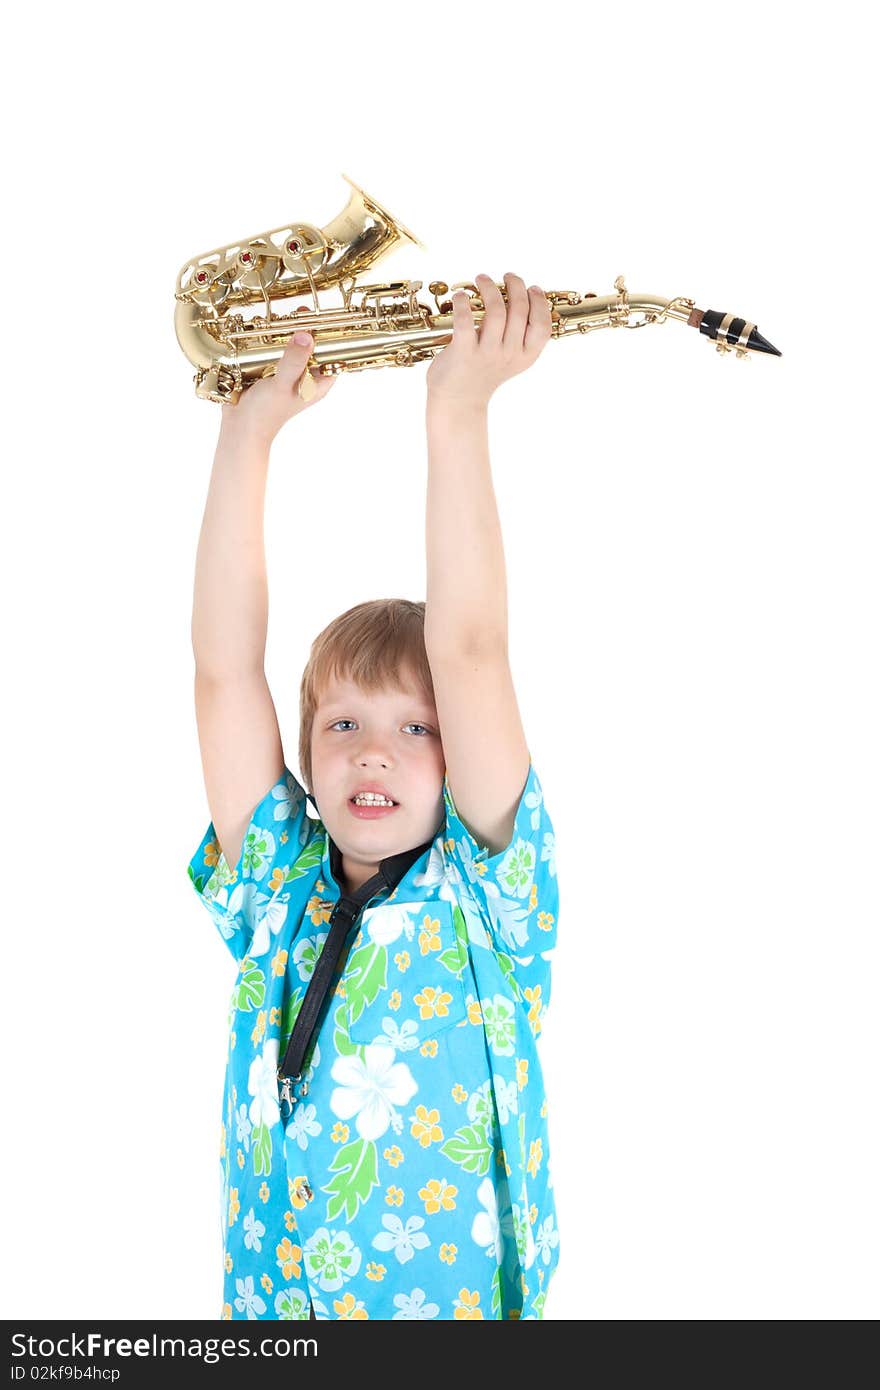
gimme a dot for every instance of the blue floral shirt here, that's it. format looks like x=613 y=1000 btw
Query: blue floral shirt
x=411 y=1179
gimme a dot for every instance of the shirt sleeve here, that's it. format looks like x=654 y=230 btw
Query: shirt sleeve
x=515 y=890
x=245 y=902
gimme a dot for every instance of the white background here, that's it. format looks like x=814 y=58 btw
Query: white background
x=692 y=570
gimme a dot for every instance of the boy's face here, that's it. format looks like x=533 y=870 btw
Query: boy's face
x=390 y=739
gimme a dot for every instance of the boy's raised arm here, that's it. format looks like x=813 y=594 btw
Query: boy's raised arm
x=239 y=738
x=487 y=757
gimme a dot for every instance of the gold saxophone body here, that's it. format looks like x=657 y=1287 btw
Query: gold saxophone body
x=378 y=325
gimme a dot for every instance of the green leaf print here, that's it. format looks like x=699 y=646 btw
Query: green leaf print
x=496 y=1293
x=461 y=933
x=368 y=967
x=507 y=967
x=538 y=1303
x=261 y=1148
x=470 y=1149
x=291 y=1009
x=357 y=1170
x=452 y=960
x=251 y=988
x=341 y=1041
x=309 y=857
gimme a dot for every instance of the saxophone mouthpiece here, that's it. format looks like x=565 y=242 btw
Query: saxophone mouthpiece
x=729 y=333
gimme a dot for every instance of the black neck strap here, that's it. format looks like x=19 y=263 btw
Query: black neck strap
x=343 y=917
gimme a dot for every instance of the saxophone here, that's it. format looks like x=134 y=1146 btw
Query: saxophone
x=379 y=325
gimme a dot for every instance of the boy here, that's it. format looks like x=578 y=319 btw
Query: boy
x=384 y=1141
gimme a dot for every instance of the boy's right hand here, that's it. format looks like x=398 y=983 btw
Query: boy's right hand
x=265 y=406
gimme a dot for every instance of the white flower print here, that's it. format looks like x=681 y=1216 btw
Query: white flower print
x=270 y=914
x=331 y=1258
x=547 y=1239
x=548 y=852
x=479 y=1106
x=306 y=953
x=505 y=1097
x=254 y=1231
x=403 y=1240
x=413 y=1305
x=500 y=1021
x=248 y=1301
x=263 y=1085
x=371 y=1088
x=493 y=1228
x=404 y=1037
x=385 y=924
x=243 y=1127
x=303 y=1125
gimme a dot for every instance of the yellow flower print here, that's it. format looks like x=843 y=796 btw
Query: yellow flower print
x=212 y=853
x=525 y=1287
x=295 y=1199
x=429 y=1048
x=544 y=1109
x=274 y=1016
x=533 y=1213
x=232 y=1041
x=448 y=1253
x=240 y=1158
x=394 y=999
x=474 y=1011
x=394 y=1155
x=276 y=878
x=279 y=961
x=394 y=1196
x=259 y=1027
x=234 y=1205
x=375 y=1272
x=502 y=1158
x=533 y=994
x=267 y=1283
x=459 y=1093
x=290 y=1220
x=536 y=1153
x=318 y=911
x=438 y=1195
x=533 y=896
x=339 y=1133
x=340 y=990
x=545 y=921
x=227 y=1312
x=347 y=1307
x=466 y=1305
x=433 y=1002
x=522 y=1072
x=429 y=936
x=263 y=1193
x=284 y=837
x=227 y=1262
x=401 y=960
x=289 y=1257
x=425 y=1127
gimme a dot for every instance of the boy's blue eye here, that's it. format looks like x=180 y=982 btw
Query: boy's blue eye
x=413 y=724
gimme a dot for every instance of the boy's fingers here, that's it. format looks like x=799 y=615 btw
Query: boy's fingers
x=294 y=358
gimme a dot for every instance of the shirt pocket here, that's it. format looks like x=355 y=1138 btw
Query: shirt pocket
x=404 y=979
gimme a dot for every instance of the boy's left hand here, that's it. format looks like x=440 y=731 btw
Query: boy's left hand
x=481 y=356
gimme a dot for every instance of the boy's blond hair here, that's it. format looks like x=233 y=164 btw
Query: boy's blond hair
x=377 y=645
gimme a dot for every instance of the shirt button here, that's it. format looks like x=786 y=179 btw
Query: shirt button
x=304 y=1192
